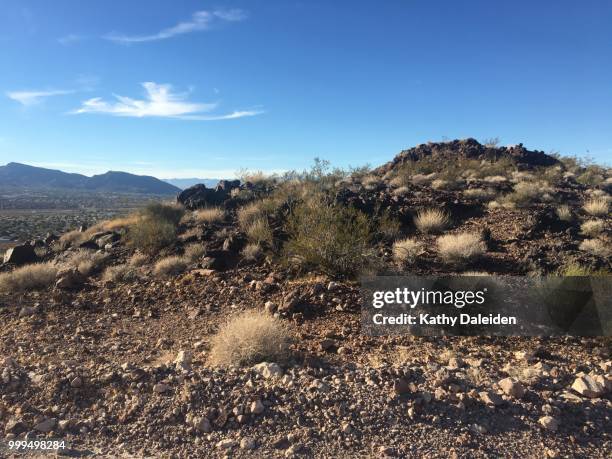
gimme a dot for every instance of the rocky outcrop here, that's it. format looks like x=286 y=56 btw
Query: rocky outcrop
x=20 y=255
x=199 y=196
x=468 y=149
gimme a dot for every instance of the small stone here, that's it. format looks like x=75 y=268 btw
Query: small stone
x=256 y=407
x=491 y=398
x=203 y=425
x=247 y=443
x=512 y=387
x=46 y=426
x=401 y=386
x=549 y=423
x=268 y=370
x=270 y=307
x=160 y=388
x=226 y=443
x=27 y=311
x=455 y=363
x=588 y=387
x=183 y=360
x=76 y=382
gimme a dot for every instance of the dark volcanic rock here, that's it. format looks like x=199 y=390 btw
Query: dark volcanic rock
x=20 y=254
x=468 y=149
x=198 y=196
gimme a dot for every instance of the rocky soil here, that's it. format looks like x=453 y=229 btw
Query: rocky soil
x=121 y=368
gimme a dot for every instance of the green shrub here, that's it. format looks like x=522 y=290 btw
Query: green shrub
x=332 y=238
x=151 y=235
x=172 y=213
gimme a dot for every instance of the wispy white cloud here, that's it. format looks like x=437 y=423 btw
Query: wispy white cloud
x=28 y=98
x=200 y=20
x=70 y=39
x=160 y=101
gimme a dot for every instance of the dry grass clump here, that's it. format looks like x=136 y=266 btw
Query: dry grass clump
x=29 y=277
x=194 y=252
x=431 y=221
x=493 y=179
x=440 y=184
x=77 y=237
x=592 y=228
x=170 y=266
x=406 y=251
x=86 y=261
x=597 y=207
x=401 y=191
x=172 y=213
x=252 y=252
x=250 y=338
x=526 y=193
x=422 y=179
x=460 y=248
x=576 y=269
x=388 y=227
x=210 y=215
x=119 y=273
x=138 y=259
x=259 y=231
x=479 y=194
x=564 y=213
x=596 y=247
x=370 y=182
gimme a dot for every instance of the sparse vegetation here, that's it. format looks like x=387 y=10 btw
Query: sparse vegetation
x=119 y=273
x=138 y=259
x=210 y=215
x=460 y=248
x=29 y=277
x=526 y=193
x=259 y=231
x=431 y=221
x=194 y=252
x=332 y=238
x=252 y=252
x=150 y=235
x=596 y=247
x=86 y=261
x=406 y=251
x=388 y=227
x=157 y=211
x=564 y=213
x=592 y=228
x=170 y=266
x=576 y=269
x=597 y=207
x=250 y=338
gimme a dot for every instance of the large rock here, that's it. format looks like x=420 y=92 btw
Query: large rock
x=589 y=387
x=198 y=196
x=20 y=255
x=70 y=279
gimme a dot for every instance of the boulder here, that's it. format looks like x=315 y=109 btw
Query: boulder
x=512 y=387
x=198 y=196
x=589 y=387
x=69 y=279
x=20 y=255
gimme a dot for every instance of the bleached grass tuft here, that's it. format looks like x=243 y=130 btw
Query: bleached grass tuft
x=564 y=213
x=170 y=266
x=406 y=251
x=29 y=277
x=596 y=247
x=250 y=338
x=431 y=221
x=592 y=228
x=597 y=207
x=210 y=215
x=460 y=248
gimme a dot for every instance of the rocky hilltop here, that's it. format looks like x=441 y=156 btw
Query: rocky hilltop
x=228 y=325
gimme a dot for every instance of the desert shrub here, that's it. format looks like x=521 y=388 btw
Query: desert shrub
x=29 y=277
x=86 y=261
x=595 y=247
x=259 y=231
x=388 y=227
x=250 y=338
x=398 y=181
x=440 y=184
x=157 y=211
x=138 y=259
x=370 y=182
x=210 y=215
x=331 y=237
x=152 y=234
x=526 y=193
x=564 y=213
x=194 y=252
x=119 y=273
x=576 y=269
x=401 y=191
x=252 y=252
x=71 y=238
x=255 y=211
x=406 y=251
x=491 y=142
x=479 y=194
x=431 y=221
x=597 y=207
x=422 y=179
x=592 y=227
x=170 y=266
x=460 y=248
x=592 y=176
x=493 y=179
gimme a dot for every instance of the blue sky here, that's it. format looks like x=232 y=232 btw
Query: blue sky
x=200 y=88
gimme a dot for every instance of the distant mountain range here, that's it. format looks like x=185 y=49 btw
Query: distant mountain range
x=184 y=183
x=24 y=176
